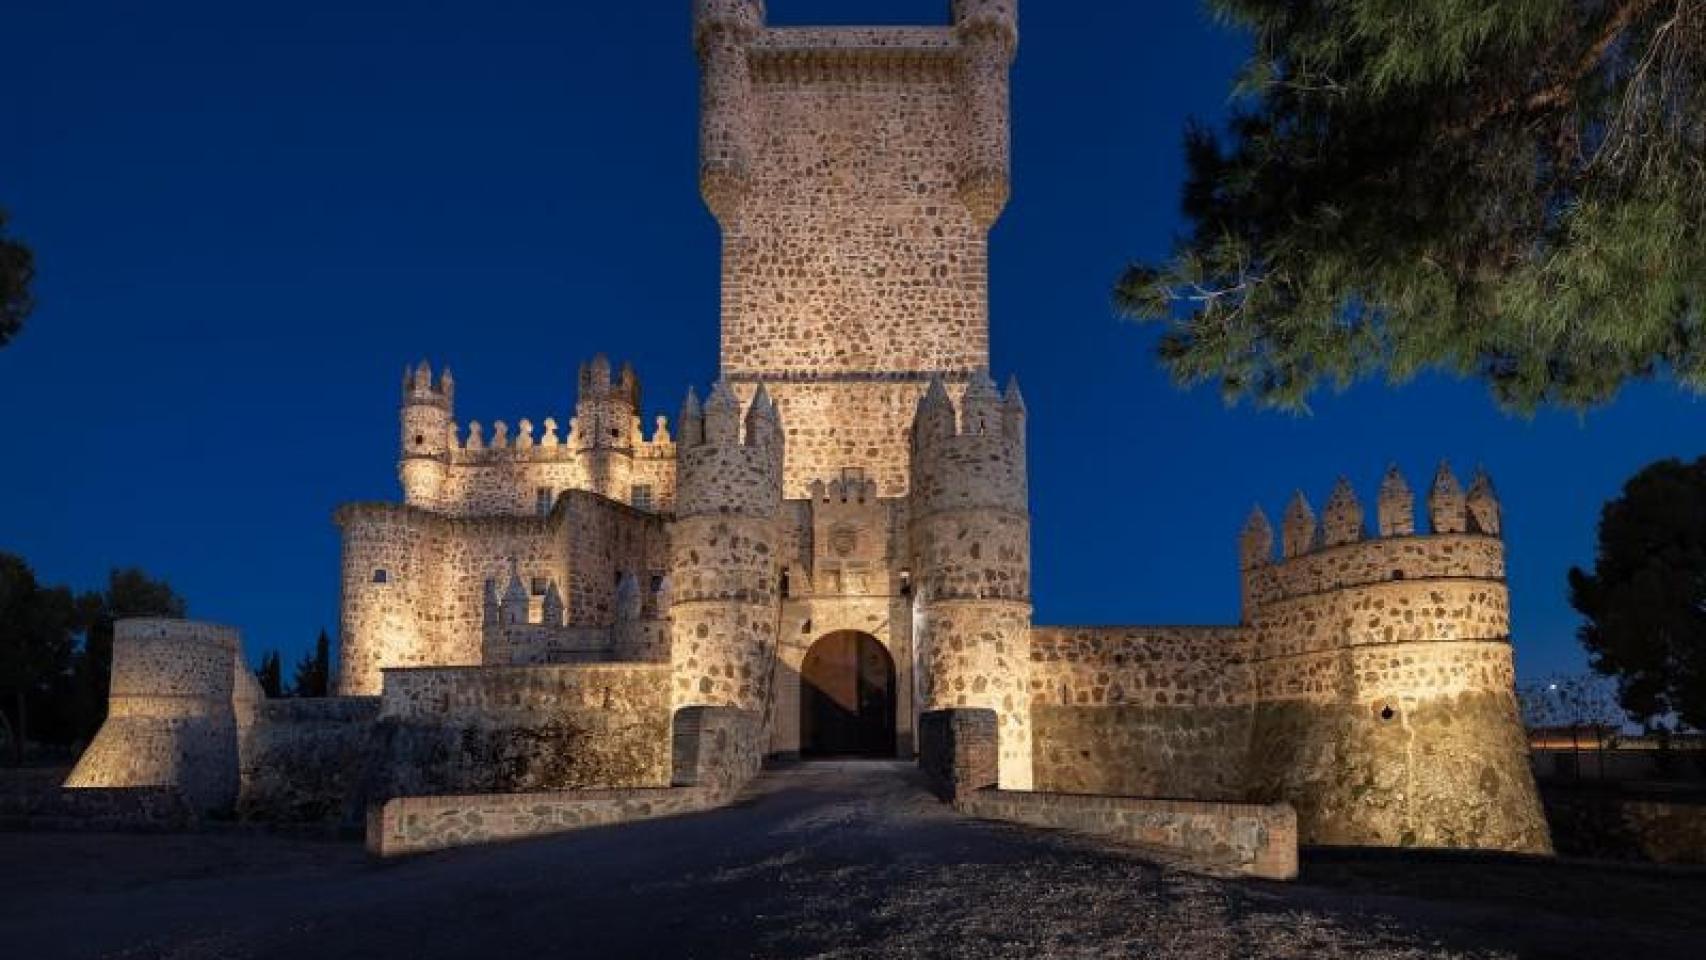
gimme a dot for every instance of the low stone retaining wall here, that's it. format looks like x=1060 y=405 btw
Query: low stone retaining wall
x=1233 y=838
x=715 y=750
x=423 y=824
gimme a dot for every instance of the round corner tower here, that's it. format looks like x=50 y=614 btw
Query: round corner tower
x=971 y=555
x=725 y=552
x=1386 y=709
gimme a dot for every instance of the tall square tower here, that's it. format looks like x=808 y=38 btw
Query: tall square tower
x=856 y=173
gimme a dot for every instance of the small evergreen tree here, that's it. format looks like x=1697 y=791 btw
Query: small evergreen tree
x=314 y=671
x=37 y=634
x=270 y=675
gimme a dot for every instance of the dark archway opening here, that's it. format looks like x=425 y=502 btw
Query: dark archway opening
x=847 y=698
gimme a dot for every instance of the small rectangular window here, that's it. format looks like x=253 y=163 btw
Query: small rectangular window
x=641 y=496
x=541 y=586
x=544 y=499
x=380 y=576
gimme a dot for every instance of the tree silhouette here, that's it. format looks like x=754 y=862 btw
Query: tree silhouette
x=17 y=272
x=37 y=635
x=1645 y=601
x=314 y=671
x=270 y=675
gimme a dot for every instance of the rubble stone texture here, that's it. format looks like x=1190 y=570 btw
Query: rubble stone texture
x=548 y=594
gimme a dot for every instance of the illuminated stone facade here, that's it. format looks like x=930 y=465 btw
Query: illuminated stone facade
x=856 y=470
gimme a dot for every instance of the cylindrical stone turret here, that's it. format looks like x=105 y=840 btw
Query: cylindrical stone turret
x=989 y=38
x=723 y=29
x=427 y=421
x=971 y=549
x=725 y=556
x=172 y=715
x=606 y=428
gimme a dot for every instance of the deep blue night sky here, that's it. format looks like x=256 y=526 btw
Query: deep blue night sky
x=249 y=216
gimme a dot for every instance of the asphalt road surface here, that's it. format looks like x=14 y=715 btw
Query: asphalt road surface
x=821 y=860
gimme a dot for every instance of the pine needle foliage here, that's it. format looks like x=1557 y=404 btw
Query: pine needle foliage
x=1512 y=190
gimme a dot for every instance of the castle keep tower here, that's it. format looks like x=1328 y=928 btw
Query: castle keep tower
x=856 y=173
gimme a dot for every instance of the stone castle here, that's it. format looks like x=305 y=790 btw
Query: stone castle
x=830 y=553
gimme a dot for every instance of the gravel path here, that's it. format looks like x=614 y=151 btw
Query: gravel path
x=824 y=860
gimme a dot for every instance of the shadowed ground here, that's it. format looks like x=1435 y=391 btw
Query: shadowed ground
x=823 y=860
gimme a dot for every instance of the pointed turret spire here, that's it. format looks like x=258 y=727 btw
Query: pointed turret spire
x=553 y=606
x=1013 y=411
x=980 y=409
x=762 y=423
x=1483 y=505
x=935 y=417
x=1447 y=509
x=1300 y=531
x=1342 y=519
x=692 y=424
x=1397 y=507
x=1256 y=543
x=722 y=415
x=515 y=596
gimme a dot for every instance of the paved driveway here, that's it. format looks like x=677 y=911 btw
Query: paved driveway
x=830 y=860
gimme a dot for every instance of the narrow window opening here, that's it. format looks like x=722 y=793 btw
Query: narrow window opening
x=541 y=586
x=420 y=440
x=1386 y=713
x=381 y=576
x=640 y=496
x=543 y=500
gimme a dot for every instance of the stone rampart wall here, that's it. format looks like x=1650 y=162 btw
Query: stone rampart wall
x=716 y=753
x=307 y=761
x=523 y=729
x=1142 y=711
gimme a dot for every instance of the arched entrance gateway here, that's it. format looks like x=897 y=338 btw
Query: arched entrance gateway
x=847 y=697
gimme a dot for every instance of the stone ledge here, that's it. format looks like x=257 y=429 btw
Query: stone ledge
x=1232 y=839
x=411 y=825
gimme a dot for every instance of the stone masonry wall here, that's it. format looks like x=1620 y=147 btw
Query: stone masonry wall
x=716 y=753
x=306 y=761
x=523 y=729
x=1142 y=711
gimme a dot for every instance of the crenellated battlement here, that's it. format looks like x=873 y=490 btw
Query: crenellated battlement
x=521 y=467
x=972 y=456
x=1337 y=552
